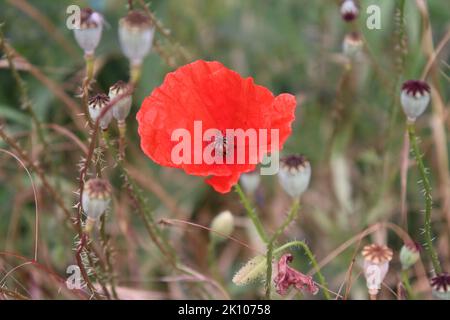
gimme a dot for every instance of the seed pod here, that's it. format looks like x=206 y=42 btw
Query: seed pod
x=222 y=226
x=122 y=107
x=294 y=174
x=440 y=286
x=349 y=10
x=90 y=32
x=415 y=98
x=409 y=254
x=136 y=33
x=95 y=107
x=352 y=45
x=250 y=181
x=376 y=266
x=95 y=200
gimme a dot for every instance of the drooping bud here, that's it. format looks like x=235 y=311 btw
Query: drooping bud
x=349 y=10
x=250 y=181
x=440 y=286
x=95 y=107
x=222 y=226
x=136 y=35
x=352 y=45
x=409 y=254
x=376 y=266
x=90 y=32
x=415 y=98
x=253 y=270
x=294 y=174
x=122 y=107
x=95 y=200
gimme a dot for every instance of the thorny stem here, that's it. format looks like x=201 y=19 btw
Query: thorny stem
x=407 y=285
x=427 y=194
x=251 y=213
x=89 y=60
x=291 y=216
x=311 y=258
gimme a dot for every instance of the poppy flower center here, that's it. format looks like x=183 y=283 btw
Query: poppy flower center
x=223 y=144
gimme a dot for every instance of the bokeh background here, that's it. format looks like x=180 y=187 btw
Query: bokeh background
x=349 y=124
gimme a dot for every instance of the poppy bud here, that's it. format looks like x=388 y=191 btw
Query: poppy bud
x=122 y=107
x=415 y=97
x=136 y=35
x=253 y=270
x=352 y=45
x=95 y=200
x=349 y=10
x=90 y=31
x=222 y=226
x=250 y=181
x=409 y=254
x=294 y=174
x=95 y=107
x=440 y=286
x=376 y=266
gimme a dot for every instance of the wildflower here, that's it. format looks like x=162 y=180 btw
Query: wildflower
x=415 y=97
x=250 y=181
x=288 y=276
x=376 y=266
x=122 y=107
x=90 y=31
x=95 y=200
x=136 y=35
x=220 y=99
x=222 y=225
x=440 y=286
x=95 y=107
x=349 y=10
x=409 y=254
x=294 y=174
x=352 y=45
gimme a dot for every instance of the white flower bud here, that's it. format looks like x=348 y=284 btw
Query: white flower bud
x=122 y=107
x=349 y=10
x=250 y=181
x=376 y=266
x=136 y=33
x=409 y=255
x=440 y=286
x=95 y=107
x=294 y=174
x=90 y=32
x=95 y=200
x=352 y=45
x=415 y=98
x=222 y=226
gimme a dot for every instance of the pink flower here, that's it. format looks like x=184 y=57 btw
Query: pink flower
x=288 y=276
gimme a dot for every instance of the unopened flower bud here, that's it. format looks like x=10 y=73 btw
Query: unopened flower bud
x=122 y=107
x=250 y=181
x=294 y=174
x=90 y=31
x=349 y=10
x=136 y=35
x=376 y=266
x=440 y=286
x=352 y=45
x=252 y=271
x=415 y=97
x=222 y=226
x=95 y=107
x=95 y=200
x=409 y=254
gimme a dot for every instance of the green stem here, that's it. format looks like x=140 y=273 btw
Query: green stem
x=291 y=216
x=251 y=213
x=427 y=194
x=407 y=285
x=311 y=258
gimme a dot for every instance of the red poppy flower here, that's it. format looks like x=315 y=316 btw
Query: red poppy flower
x=288 y=276
x=220 y=99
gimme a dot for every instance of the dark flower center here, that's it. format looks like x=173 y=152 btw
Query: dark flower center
x=136 y=18
x=99 y=100
x=98 y=188
x=441 y=282
x=85 y=18
x=416 y=86
x=294 y=162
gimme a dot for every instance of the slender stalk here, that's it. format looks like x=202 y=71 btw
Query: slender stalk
x=407 y=285
x=427 y=194
x=251 y=213
x=107 y=252
x=291 y=216
x=311 y=258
